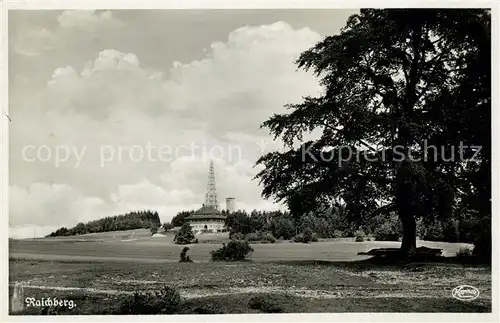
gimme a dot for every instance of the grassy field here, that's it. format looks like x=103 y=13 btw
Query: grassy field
x=138 y=245
x=327 y=276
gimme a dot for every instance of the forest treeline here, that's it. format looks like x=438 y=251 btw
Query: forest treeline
x=133 y=220
x=336 y=222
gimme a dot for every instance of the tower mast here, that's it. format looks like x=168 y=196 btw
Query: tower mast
x=211 y=196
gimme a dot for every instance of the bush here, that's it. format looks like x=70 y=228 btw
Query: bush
x=254 y=236
x=360 y=236
x=185 y=235
x=482 y=241
x=237 y=236
x=234 y=250
x=265 y=303
x=464 y=253
x=268 y=237
x=386 y=232
x=184 y=256
x=433 y=231
x=153 y=230
x=314 y=237
x=338 y=234
x=167 y=226
x=305 y=237
x=283 y=228
x=165 y=301
x=348 y=233
x=387 y=228
x=264 y=237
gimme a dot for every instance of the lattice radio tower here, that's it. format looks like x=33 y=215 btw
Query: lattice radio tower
x=211 y=196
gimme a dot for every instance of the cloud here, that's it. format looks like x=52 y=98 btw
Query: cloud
x=46 y=207
x=88 y=20
x=206 y=109
x=73 y=25
x=57 y=204
x=34 y=42
x=252 y=73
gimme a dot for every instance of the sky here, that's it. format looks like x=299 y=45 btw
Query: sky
x=116 y=111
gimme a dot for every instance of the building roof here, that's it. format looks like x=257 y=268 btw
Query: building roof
x=206 y=212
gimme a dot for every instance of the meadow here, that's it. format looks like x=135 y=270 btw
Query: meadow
x=327 y=276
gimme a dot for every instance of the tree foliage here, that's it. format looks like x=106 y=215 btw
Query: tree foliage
x=185 y=235
x=129 y=221
x=396 y=82
x=179 y=219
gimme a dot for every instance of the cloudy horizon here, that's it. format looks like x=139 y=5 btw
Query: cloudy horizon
x=117 y=111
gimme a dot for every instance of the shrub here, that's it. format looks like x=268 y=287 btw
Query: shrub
x=254 y=236
x=153 y=230
x=265 y=303
x=360 y=236
x=388 y=228
x=237 y=236
x=283 y=228
x=314 y=237
x=165 y=301
x=264 y=237
x=305 y=237
x=442 y=230
x=185 y=235
x=433 y=231
x=463 y=253
x=386 y=232
x=482 y=241
x=338 y=234
x=323 y=224
x=234 y=250
x=184 y=256
x=348 y=233
x=268 y=237
x=167 y=226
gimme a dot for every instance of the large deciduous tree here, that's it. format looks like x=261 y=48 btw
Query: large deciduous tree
x=405 y=106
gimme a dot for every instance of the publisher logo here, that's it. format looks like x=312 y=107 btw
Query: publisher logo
x=465 y=293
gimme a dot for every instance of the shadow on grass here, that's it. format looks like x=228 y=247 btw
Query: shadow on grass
x=389 y=262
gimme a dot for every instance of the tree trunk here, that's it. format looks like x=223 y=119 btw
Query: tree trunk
x=409 y=241
x=405 y=205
